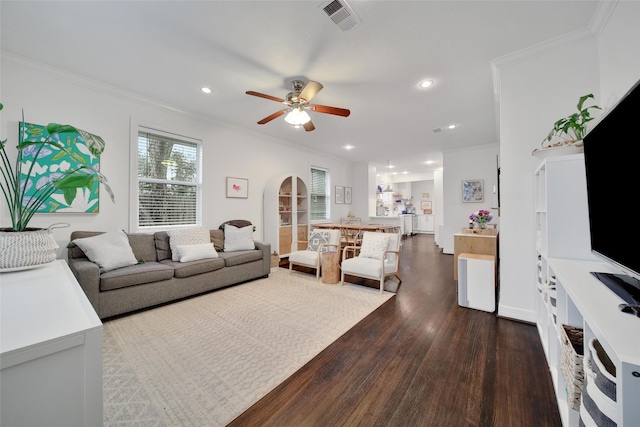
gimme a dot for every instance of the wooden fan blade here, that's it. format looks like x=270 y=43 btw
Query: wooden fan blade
x=262 y=95
x=273 y=116
x=329 y=110
x=309 y=126
x=309 y=91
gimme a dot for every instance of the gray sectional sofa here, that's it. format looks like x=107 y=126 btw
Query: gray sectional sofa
x=156 y=279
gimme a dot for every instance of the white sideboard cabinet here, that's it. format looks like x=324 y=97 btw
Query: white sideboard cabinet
x=569 y=295
x=50 y=350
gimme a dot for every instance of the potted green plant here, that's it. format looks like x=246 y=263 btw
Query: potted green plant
x=20 y=245
x=572 y=128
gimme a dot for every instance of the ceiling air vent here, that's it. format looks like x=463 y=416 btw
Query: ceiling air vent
x=341 y=14
x=437 y=130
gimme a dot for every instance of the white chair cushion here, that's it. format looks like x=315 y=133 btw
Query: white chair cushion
x=304 y=258
x=373 y=245
x=366 y=267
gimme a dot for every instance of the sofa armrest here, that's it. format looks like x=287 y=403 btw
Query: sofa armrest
x=87 y=274
x=266 y=256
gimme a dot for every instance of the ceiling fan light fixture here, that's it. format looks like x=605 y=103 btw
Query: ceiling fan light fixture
x=297 y=117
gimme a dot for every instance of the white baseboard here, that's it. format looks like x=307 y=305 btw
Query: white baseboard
x=517 y=313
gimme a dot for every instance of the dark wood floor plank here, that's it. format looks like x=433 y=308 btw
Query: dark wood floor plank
x=419 y=360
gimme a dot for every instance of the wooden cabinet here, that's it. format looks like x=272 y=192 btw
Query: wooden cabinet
x=286 y=216
x=473 y=244
x=50 y=350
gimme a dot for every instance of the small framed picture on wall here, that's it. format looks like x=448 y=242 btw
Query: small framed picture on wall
x=473 y=191
x=237 y=188
x=339 y=194
x=347 y=195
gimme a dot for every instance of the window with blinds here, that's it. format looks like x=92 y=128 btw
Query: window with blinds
x=319 y=194
x=168 y=180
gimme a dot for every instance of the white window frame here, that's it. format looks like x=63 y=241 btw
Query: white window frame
x=327 y=194
x=136 y=128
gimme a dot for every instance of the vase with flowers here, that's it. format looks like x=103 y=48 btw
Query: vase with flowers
x=481 y=218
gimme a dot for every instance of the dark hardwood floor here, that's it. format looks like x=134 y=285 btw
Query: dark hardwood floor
x=419 y=360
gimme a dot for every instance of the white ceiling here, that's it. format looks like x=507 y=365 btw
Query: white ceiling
x=168 y=50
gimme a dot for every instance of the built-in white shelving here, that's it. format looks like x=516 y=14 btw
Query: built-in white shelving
x=569 y=295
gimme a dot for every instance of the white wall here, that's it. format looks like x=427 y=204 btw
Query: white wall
x=460 y=165
x=619 y=52
x=48 y=95
x=535 y=89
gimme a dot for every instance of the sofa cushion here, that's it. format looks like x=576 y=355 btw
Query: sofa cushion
x=191 y=268
x=187 y=236
x=135 y=275
x=240 y=257
x=143 y=246
x=217 y=238
x=163 y=249
x=109 y=250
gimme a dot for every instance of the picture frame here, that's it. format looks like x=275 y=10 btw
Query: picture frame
x=339 y=194
x=237 y=188
x=426 y=206
x=473 y=191
x=87 y=199
x=347 y=195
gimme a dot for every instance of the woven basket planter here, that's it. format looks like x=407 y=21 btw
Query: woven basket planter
x=20 y=249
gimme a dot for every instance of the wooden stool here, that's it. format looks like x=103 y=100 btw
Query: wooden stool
x=330 y=267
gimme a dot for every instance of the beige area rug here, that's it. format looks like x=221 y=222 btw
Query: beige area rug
x=205 y=360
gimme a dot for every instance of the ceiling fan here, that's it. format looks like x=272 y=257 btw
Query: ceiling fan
x=297 y=105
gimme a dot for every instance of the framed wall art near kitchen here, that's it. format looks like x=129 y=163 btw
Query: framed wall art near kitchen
x=473 y=191
x=347 y=195
x=339 y=194
x=237 y=188
x=426 y=206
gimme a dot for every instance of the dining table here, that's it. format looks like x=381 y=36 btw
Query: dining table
x=352 y=233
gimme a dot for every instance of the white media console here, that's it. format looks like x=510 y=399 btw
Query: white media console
x=50 y=350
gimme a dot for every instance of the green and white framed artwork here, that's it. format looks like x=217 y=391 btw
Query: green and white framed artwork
x=52 y=163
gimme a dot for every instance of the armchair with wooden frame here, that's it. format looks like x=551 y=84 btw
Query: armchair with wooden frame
x=378 y=257
x=319 y=241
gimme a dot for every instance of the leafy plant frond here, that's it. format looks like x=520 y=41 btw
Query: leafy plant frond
x=573 y=126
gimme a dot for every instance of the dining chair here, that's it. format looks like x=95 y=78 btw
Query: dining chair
x=319 y=241
x=378 y=257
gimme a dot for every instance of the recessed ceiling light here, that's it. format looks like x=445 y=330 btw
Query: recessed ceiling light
x=429 y=162
x=205 y=90
x=349 y=147
x=425 y=84
x=452 y=126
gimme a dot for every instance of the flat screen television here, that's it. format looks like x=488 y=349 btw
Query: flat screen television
x=612 y=163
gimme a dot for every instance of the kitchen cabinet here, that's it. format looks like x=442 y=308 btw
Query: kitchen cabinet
x=424 y=224
x=286 y=213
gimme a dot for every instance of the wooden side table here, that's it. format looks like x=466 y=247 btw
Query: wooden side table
x=330 y=267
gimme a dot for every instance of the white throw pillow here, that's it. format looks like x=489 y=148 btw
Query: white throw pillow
x=187 y=236
x=373 y=245
x=238 y=239
x=109 y=250
x=196 y=252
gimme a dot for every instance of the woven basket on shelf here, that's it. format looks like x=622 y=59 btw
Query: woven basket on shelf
x=571 y=362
